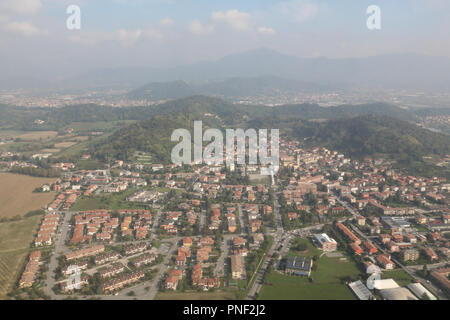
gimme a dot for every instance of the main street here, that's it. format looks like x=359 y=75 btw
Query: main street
x=60 y=249
x=277 y=238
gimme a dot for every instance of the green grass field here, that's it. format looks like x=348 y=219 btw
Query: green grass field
x=400 y=276
x=327 y=275
x=326 y=285
x=107 y=201
x=309 y=252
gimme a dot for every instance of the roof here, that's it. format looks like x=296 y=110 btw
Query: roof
x=323 y=238
x=385 y=284
x=299 y=263
x=399 y=293
x=236 y=263
x=419 y=290
x=361 y=290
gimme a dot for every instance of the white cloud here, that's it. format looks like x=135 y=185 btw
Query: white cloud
x=152 y=33
x=24 y=28
x=266 y=30
x=89 y=38
x=128 y=38
x=301 y=10
x=196 y=27
x=166 y=22
x=25 y=7
x=236 y=19
x=123 y=36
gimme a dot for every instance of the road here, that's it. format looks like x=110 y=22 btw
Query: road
x=241 y=217
x=60 y=249
x=219 y=270
x=277 y=238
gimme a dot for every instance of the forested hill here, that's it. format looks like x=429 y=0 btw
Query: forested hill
x=21 y=118
x=152 y=135
x=364 y=135
x=369 y=135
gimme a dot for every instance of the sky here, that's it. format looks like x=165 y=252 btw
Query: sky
x=34 y=38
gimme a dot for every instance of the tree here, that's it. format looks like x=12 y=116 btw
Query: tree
x=425 y=270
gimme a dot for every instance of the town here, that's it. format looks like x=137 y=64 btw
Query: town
x=144 y=230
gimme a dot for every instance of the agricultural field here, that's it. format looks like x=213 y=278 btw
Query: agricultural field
x=63 y=145
x=17 y=197
x=15 y=239
x=328 y=282
x=10 y=133
x=38 y=135
x=222 y=295
x=50 y=150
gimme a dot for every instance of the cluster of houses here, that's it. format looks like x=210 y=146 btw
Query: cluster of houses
x=47 y=230
x=254 y=216
x=215 y=217
x=94 y=223
x=87 y=252
x=135 y=223
x=113 y=272
x=144 y=259
x=403 y=239
x=174 y=222
x=100 y=225
x=204 y=283
x=359 y=247
x=63 y=201
x=119 y=282
x=31 y=269
x=202 y=251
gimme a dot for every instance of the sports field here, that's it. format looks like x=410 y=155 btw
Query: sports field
x=327 y=283
x=328 y=278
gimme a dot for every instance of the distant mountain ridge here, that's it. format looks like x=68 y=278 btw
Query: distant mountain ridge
x=231 y=88
x=407 y=71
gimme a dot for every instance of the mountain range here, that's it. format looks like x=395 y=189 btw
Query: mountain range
x=231 y=88
x=395 y=71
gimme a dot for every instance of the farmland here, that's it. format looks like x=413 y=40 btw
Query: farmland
x=17 y=197
x=38 y=135
x=15 y=238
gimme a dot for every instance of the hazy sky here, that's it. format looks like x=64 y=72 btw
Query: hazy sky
x=34 y=38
